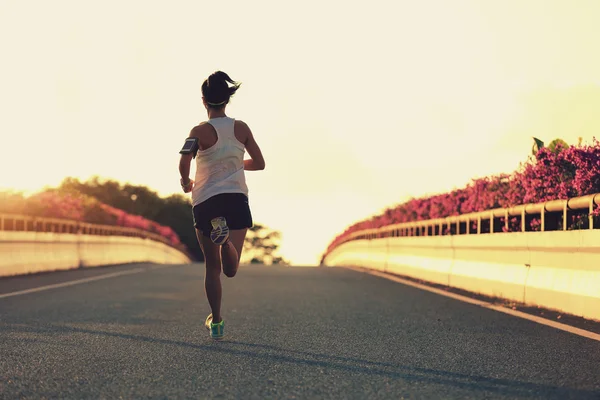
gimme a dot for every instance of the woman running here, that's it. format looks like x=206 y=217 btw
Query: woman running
x=219 y=192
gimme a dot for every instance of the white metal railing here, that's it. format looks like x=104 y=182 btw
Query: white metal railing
x=26 y=223
x=484 y=222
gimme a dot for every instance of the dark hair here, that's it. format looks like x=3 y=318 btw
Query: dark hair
x=216 y=91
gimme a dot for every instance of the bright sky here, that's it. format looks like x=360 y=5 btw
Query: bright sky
x=356 y=105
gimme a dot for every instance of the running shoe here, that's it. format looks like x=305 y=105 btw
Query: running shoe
x=220 y=231
x=215 y=330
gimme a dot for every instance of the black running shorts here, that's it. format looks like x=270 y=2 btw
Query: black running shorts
x=233 y=206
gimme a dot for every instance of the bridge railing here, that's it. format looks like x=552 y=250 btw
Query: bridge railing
x=553 y=215
x=26 y=223
x=556 y=267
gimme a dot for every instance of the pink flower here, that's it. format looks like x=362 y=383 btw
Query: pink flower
x=78 y=207
x=566 y=172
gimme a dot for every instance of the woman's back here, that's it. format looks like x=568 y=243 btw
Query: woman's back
x=219 y=166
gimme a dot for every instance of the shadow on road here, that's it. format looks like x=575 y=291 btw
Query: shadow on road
x=274 y=354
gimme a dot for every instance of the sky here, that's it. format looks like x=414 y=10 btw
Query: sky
x=357 y=106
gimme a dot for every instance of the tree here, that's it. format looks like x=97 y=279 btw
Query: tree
x=557 y=145
x=261 y=246
x=12 y=202
x=174 y=211
x=537 y=145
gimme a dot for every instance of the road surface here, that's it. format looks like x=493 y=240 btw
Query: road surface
x=291 y=333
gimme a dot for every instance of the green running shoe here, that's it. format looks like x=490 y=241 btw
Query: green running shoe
x=215 y=330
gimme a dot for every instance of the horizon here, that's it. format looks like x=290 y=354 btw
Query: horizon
x=371 y=105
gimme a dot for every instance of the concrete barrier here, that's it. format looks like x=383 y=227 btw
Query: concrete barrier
x=29 y=252
x=558 y=270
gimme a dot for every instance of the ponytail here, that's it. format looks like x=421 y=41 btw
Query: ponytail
x=216 y=89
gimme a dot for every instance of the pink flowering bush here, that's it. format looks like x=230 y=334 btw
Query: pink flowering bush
x=11 y=202
x=135 y=221
x=52 y=204
x=79 y=207
x=559 y=172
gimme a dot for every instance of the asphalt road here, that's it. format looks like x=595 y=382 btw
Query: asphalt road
x=292 y=333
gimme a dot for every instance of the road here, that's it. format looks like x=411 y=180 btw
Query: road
x=292 y=333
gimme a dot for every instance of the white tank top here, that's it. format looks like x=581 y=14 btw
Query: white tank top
x=220 y=168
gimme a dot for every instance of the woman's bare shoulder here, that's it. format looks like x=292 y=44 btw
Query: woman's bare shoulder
x=242 y=131
x=200 y=129
x=241 y=124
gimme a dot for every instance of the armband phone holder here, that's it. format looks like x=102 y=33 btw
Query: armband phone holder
x=190 y=147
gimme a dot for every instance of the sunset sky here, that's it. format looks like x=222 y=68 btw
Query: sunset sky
x=356 y=105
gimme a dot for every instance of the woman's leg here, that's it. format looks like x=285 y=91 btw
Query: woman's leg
x=231 y=251
x=212 y=275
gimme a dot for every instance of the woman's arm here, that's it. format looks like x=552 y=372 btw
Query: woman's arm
x=250 y=165
x=184 y=166
x=257 y=161
x=186 y=159
x=184 y=171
